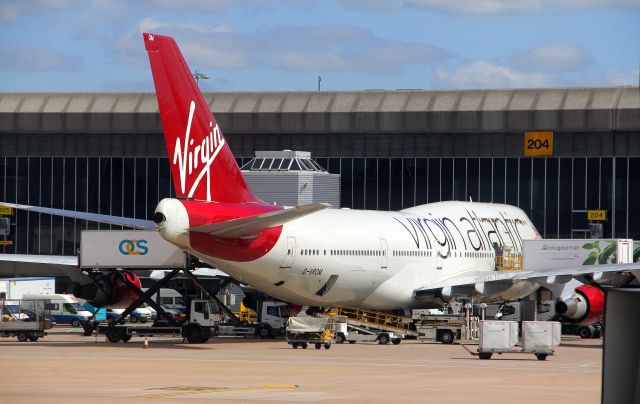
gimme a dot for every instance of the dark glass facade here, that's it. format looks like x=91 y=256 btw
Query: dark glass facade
x=547 y=189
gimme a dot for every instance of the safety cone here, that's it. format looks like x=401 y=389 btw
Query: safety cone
x=146 y=344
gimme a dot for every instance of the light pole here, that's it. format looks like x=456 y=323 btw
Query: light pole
x=199 y=75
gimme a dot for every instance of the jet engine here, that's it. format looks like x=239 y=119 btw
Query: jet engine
x=584 y=306
x=108 y=289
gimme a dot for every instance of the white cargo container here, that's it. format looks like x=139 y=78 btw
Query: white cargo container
x=540 y=336
x=128 y=249
x=496 y=336
x=15 y=288
x=540 y=255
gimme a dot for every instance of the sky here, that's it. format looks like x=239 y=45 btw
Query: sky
x=269 y=45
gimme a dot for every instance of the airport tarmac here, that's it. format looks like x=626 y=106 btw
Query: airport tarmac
x=68 y=368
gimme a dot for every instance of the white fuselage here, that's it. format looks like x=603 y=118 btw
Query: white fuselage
x=378 y=259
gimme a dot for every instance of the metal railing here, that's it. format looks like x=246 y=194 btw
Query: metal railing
x=509 y=262
x=371 y=317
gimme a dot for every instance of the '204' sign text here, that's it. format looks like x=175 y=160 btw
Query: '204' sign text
x=538 y=144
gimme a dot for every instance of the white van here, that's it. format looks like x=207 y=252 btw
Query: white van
x=65 y=309
x=170 y=298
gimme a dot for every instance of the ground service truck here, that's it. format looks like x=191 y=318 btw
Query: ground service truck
x=201 y=322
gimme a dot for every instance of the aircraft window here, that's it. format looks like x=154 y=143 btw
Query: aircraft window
x=325 y=252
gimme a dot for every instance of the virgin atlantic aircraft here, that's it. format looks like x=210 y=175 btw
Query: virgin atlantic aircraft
x=313 y=255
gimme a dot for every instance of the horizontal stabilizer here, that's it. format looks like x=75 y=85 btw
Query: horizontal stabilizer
x=61 y=260
x=246 y=226
x=94 y=217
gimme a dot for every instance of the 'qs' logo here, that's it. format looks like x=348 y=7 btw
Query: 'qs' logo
x=133 y=247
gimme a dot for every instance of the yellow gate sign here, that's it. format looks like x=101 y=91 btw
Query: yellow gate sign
x=6 y=210
x=596 y=215
x=538 y=144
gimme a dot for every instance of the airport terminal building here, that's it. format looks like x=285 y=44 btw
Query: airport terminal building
x=104 y=153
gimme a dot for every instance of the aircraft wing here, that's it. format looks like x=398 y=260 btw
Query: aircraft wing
x=66 y=260
x=474 y=282
x=95 y=217
x=247 y=226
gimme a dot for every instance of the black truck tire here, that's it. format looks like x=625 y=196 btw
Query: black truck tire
x=265 y=332
x=446 y=337
x=22 y=336
x=75 y=323
x=114 y=335
x=340 y=338
x=484 y=355
x=194 y=334
x=383 y=339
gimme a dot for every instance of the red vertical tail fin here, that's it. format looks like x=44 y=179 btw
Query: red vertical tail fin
x=202 y=164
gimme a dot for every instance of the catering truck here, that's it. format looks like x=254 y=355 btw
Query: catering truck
x=202 y=321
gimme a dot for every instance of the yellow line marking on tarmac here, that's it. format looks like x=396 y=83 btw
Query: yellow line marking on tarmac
x=191 y=390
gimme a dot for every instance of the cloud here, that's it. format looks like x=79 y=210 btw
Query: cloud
x=323 y=48
x=35 y=59
x=11 y=10
x=515 y=7
x=370 y=5
x=150 y=24
x=622 y=78
x=316 y=48
x=129 y=85
x=557 y=56
x=482 y=74
x=479 y=7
